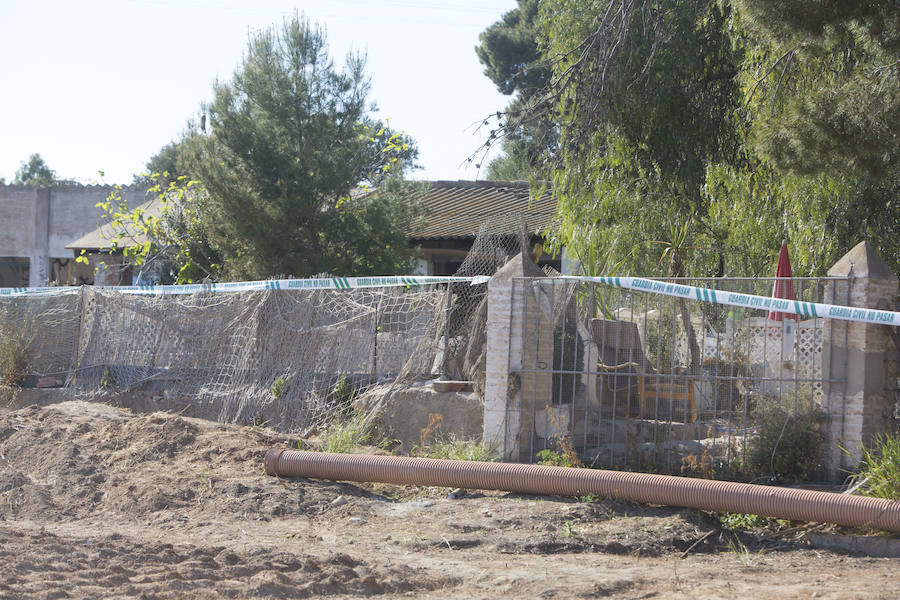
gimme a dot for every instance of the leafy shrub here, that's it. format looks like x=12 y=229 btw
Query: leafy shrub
x=788 y=446
x=879 y=473
x=554 y=458
x=279 y=387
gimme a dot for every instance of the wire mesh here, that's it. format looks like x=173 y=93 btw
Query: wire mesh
x=651 y=382
x=293 y=359
x=290 y=358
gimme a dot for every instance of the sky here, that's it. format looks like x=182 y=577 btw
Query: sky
x=102 y=85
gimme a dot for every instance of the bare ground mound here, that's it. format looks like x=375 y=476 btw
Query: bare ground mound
x=98 y=502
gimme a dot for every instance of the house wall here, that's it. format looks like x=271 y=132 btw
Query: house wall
x=36 y=223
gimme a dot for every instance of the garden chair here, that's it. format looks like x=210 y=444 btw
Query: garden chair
x=624 y=366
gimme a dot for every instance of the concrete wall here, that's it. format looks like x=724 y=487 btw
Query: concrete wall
x=38 y=222
x=17 y=206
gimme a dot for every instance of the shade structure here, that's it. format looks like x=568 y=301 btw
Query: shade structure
x=783 y=288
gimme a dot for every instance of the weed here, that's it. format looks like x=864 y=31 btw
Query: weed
x=566 y=456
x=741 y=522
x=206 y=477
x=553 y=458
x=345 y=435
x=736 y=546
x=259 y=420
x=693 y=465
x=108 y=380
x=343 y=394
x=15 y=342
x=879 y=473
x=279 y=387
x=434 y=423
x=591 y=499
x=569 y=529
x=707 y=466
x=460 y=449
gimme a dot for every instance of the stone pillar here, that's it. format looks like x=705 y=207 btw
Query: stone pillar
x=519 y=338
x=860 y=356
x=39 y=263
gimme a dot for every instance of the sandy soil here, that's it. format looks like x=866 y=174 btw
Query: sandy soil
x=96 y=502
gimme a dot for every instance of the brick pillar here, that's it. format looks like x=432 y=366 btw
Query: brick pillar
x=519 y=337
x=860 y=356
x=499 y=388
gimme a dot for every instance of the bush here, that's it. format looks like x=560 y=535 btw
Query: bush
x=15 y=342
x=279 y=387
x=879 y=473
x=554 y=458
x=788 y=446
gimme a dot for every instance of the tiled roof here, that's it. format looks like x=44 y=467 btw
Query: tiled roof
x=102 y=237
x=455 y=209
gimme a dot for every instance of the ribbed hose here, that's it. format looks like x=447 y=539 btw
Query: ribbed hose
x=718 y=496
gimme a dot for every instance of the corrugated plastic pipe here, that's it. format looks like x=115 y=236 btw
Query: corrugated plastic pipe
x=704 y=494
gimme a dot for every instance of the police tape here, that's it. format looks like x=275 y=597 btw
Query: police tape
x=767 y=303
x=325 y=283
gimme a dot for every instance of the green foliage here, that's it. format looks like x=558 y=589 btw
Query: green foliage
x=35 y=171
x=291 y=141
x=788 y=446
x=742 y=522
x=512 y=59
x=280 y=387
x=343 y=393
x=641 y=111
x=591 y=499
x=348 y=434
x=556 y=458
x=741 y=123
x=879 y=470
x=165 y=166
x=108 y=380
x=169 y=235
x=523 y=150
x=453 y=448
x=509 y=51
x=824 y=75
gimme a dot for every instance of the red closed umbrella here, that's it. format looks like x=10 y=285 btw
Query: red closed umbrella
x=783 y=288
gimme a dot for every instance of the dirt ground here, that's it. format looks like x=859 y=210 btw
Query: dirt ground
x=97 y=502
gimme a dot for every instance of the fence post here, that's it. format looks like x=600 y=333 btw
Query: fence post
x=514 y=341
x=860 y=358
